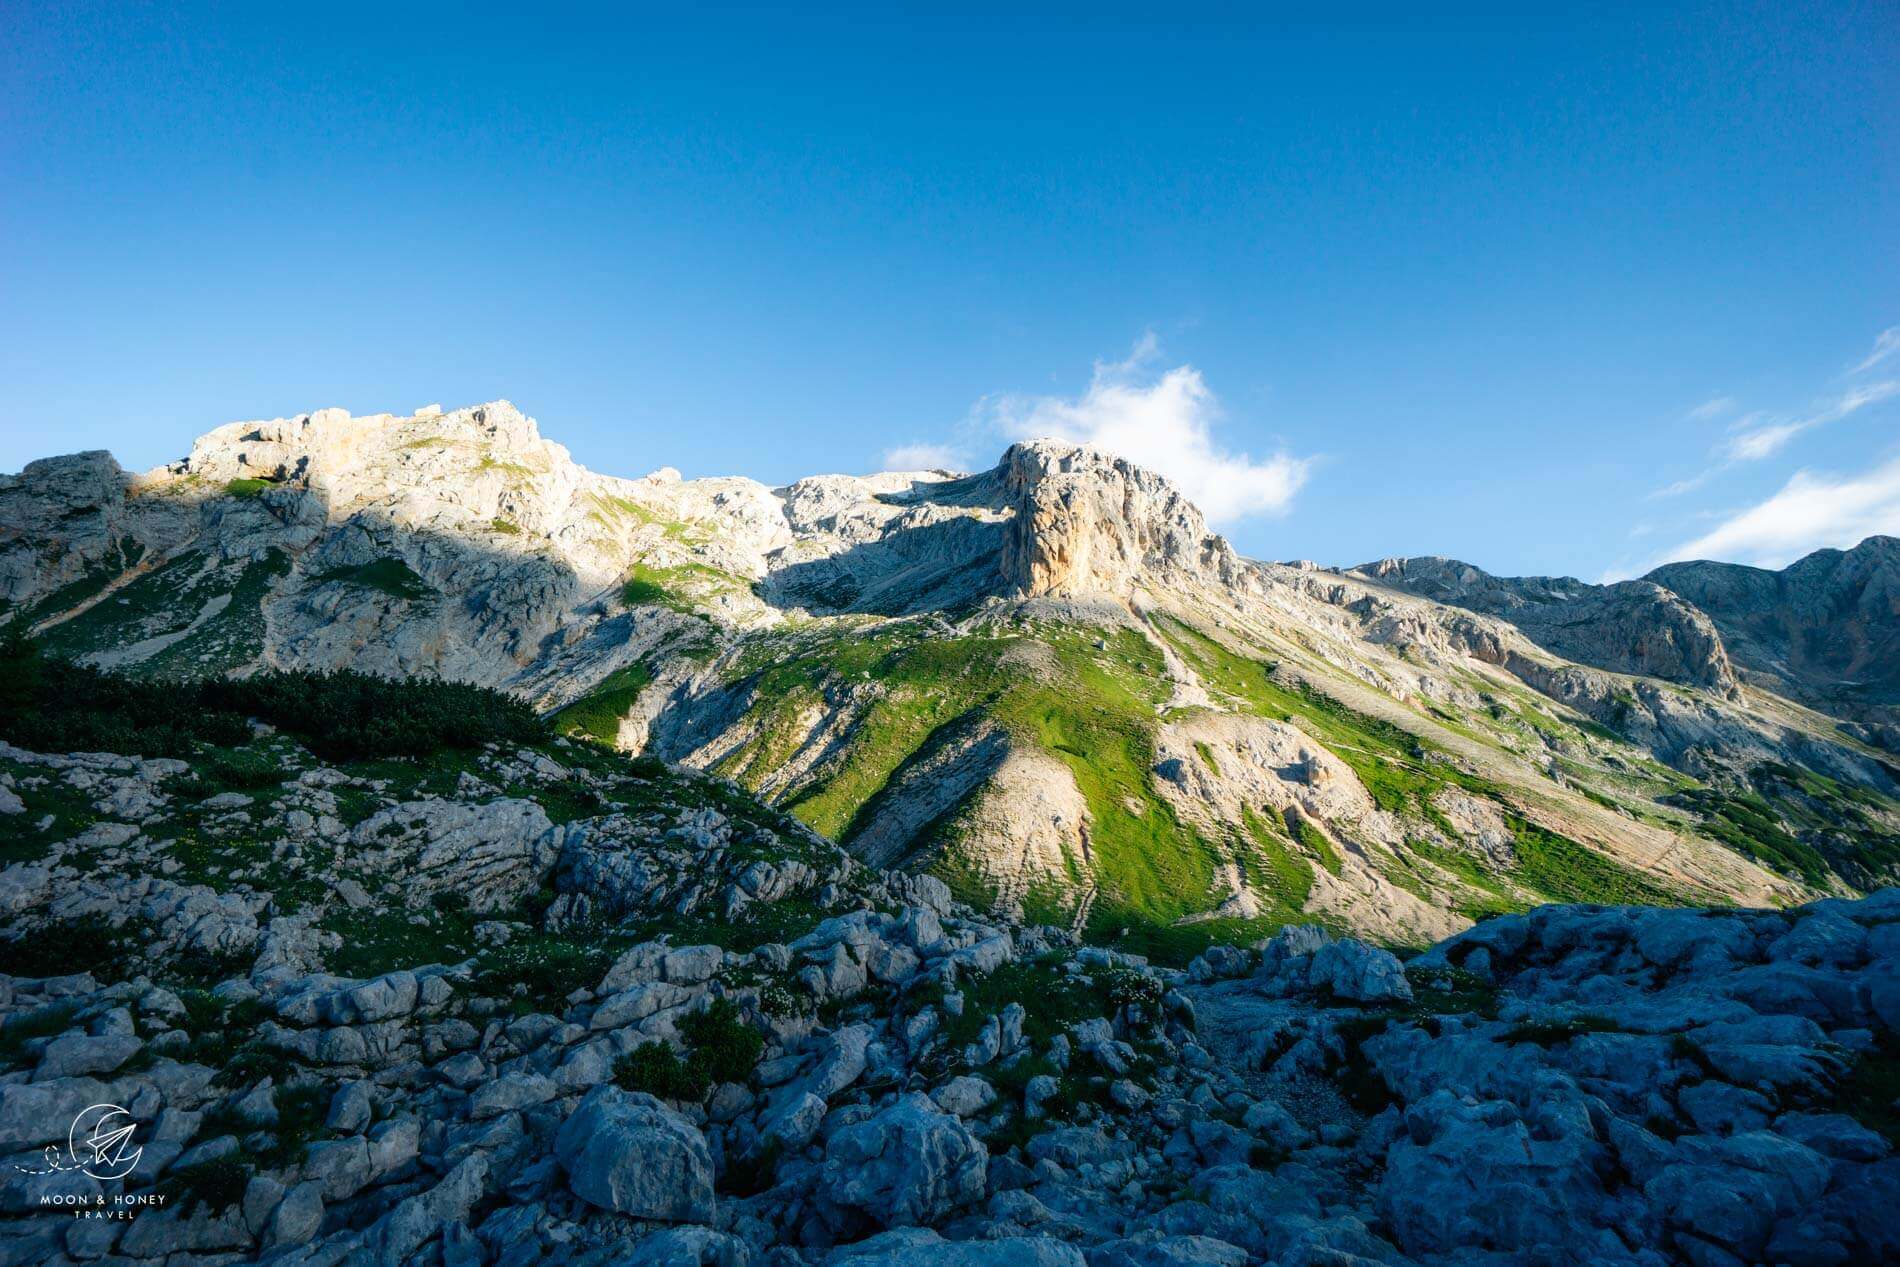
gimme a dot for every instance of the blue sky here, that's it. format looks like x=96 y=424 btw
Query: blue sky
x=1544 y=292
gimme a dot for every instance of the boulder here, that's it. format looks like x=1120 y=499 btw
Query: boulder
x=627 y=1152
x=1359 y=973
x=908 y=1165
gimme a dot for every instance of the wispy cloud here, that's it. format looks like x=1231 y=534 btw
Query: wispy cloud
x=1762 y=442
x=1161 y=420
x=1682 y=486
x=1810 y=512
x=925 y=457
x=1755 y=443
x=1886 y=343
x=1756 y=436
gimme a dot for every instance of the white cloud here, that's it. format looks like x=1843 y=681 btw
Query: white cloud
x=924 y=457
x=1164 y=422
x=1760 y=442
x=1752 y=439
x=1886 y=343
x=1812 y=511
x=1689 y=485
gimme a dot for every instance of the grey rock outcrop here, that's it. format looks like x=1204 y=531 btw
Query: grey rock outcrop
x=630 y=1154
x=911 y=1164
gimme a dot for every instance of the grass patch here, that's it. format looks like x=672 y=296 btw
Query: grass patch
x=684 y=587
x=1207 y=757
x=118 y=558
x=597 y=714
x=1286 y=874
x=389 y=576
x=1086 y=697
x=248 y=487
x=1560 y=868
x=1870 y=1090
x=548 y=967
x=375 y=943
x=1554 y=1033
x=1314 y=839
x=762 y=923
x=1052 y=999
x=211 y=610
x=515 y=469
x=1398 y=769
x=41 y=1022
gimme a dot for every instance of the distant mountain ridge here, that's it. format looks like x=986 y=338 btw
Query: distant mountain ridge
x=1048 y=682
x=1825 y=630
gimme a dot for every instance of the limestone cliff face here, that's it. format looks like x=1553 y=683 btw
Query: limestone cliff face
x=1089 y=523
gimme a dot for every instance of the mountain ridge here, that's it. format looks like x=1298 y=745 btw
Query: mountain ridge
x=1825 y=629
x=1048 y=682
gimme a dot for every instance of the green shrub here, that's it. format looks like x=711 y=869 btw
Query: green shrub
x=723 y=1047
x=720 y=1047
x=217 y=1185
x=243 y=769
x=55 y=706
x=346 y=716
x=596 y=715
x=62 y=949
x=657 y=1069
x=390 y=576
x=41 y=1022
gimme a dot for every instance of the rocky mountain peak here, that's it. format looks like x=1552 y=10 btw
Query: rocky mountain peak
x=327 y=446
x=1825 y=629
x=1088 y=522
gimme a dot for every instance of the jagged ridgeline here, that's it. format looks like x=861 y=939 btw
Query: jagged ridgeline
x=1047 y=683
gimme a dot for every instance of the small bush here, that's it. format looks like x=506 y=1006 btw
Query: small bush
x=723 y=1047
x=243 y=770
x=62 y=949
x=42 y=1022
x=720 y=1047
x=53 y=706
x=1554 y=1033
x=217 y=1185
x=657 y=1069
